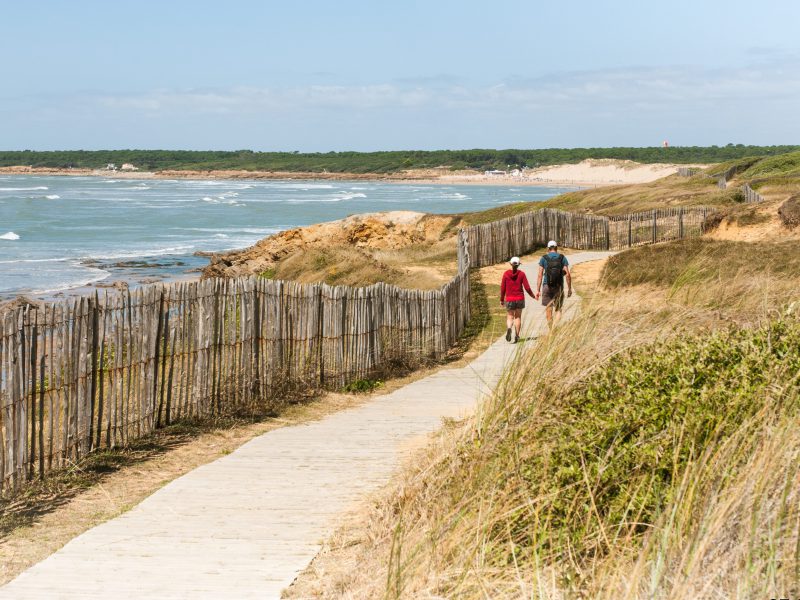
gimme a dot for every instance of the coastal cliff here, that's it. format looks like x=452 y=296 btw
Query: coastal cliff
x=375 y=231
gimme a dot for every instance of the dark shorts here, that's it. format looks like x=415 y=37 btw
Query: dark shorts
x=553 y=295
x=515 y=304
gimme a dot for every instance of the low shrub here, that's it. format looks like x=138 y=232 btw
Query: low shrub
x=616 y=446
x=362 y=386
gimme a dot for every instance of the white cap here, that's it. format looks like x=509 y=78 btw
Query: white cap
x=514 y=260
x=552 y=244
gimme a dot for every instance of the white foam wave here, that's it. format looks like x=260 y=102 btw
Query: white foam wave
x=300 y=186
x=221 y=236
x=168 y=251
x=350 y=196
x=53 y=197
x=9 y=236
x=95 y=276
x=200 y=182
x=222 y=199
x=252 y=230
x=34 y=260
x=24 y=189
x=312 y=200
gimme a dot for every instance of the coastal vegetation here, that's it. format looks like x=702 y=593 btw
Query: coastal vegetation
x=773 y=176
x=649 y=449
x=376 y=162
x=670 y=192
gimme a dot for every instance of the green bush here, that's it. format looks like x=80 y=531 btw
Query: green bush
x=775 y=166
x=615 y=448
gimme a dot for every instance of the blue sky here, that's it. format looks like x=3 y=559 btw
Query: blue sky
x=358 y=75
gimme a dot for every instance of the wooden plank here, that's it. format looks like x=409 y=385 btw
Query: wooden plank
x=32 y=373
x=162 y=346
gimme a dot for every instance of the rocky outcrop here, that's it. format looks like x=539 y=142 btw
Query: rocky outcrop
x=390 y=230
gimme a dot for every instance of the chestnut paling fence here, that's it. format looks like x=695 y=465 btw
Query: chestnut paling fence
x=750 y=195
x=494 y=242
x=100 y=371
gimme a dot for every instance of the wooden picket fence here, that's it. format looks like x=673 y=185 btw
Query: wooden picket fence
x=721 y=179
x=750 y=195
x=491 y=243
x=101 y=371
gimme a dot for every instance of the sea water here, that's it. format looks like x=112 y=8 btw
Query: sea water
x=62 y=233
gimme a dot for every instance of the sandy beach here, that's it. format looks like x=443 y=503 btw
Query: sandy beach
x=588 y=173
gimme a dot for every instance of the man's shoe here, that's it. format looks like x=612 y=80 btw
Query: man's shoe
x=516 y=339
x=508 y=334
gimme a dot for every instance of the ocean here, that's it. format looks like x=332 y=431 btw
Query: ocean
x=65 y=233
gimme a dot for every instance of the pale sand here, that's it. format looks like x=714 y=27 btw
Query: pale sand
x=590 y=172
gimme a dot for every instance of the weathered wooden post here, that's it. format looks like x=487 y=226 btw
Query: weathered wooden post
x=680 y=223
x=655 y=226
x=630 y=231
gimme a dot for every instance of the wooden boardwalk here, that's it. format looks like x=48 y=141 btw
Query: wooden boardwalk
x=246 y=524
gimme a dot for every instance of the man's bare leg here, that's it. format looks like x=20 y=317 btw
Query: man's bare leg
x=548 y=312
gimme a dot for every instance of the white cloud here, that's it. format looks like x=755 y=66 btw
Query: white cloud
x=632 y=106
x=642 y=87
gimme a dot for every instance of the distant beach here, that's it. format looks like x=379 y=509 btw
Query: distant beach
x=588 y=173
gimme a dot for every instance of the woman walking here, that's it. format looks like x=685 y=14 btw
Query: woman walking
x=512 y=295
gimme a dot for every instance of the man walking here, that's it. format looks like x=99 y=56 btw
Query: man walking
x=553 y=267
x=512 y=295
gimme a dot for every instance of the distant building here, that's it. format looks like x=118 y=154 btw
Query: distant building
x=128 y=167
x=111 y=167
x=495 y=172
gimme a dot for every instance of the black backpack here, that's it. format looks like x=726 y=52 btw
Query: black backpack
x=554 y=268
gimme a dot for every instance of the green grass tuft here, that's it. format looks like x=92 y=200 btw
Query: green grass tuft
x=362 y=386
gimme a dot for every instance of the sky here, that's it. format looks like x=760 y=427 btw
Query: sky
x=319 y=76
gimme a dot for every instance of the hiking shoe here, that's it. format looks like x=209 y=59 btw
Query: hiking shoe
x=508 y=334
x=516 y=339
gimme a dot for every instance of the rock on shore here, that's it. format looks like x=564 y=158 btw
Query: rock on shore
x=388 y=230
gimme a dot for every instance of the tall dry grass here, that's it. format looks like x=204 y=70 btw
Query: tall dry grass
x=680 y=482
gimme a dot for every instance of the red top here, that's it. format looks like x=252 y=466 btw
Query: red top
x=511 y=288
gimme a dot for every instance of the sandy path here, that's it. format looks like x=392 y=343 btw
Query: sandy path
x=245 y=525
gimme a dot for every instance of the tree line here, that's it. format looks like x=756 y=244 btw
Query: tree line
x=375 y=162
